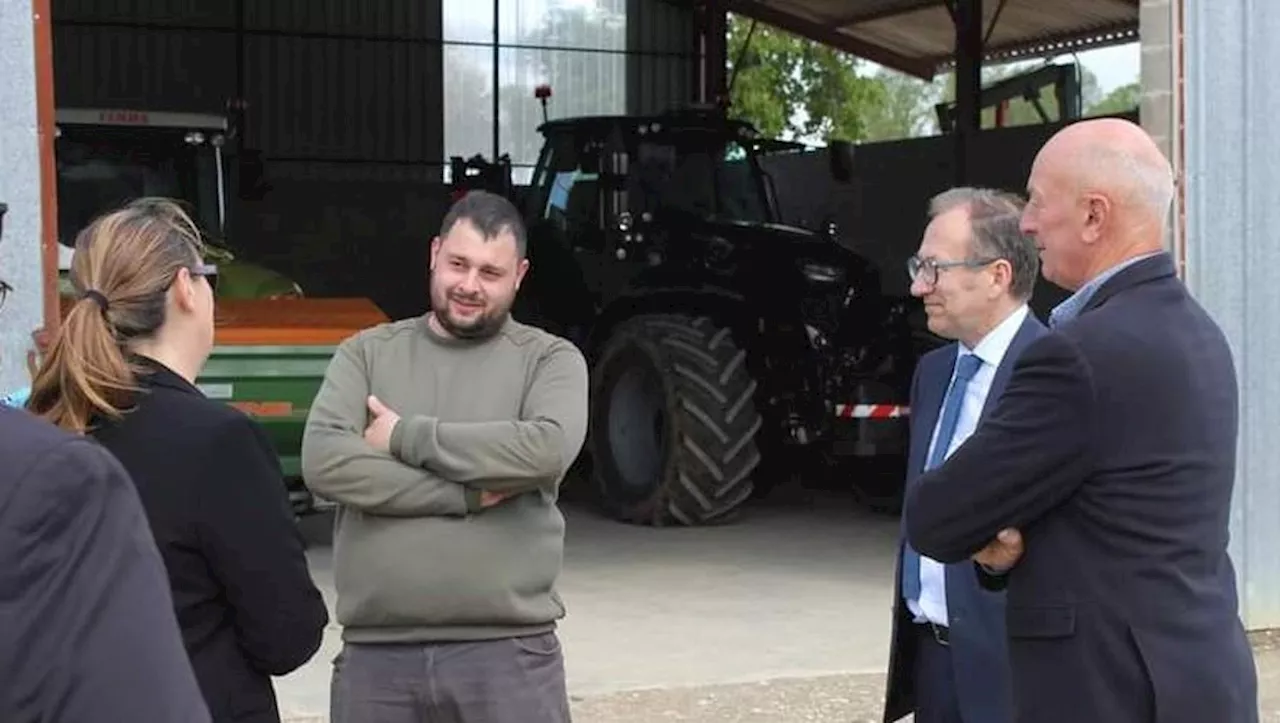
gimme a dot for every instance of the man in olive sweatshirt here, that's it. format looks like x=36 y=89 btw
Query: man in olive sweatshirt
x=443 y=440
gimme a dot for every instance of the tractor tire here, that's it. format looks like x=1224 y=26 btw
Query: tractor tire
x=673 y=423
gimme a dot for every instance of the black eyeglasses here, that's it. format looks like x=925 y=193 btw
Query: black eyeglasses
x=927 y=270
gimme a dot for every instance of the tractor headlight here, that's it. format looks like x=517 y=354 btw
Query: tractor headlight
x=820 y=273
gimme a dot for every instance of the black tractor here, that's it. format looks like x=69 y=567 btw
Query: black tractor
x=728 y=352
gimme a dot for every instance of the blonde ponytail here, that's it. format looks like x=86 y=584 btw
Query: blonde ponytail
x=123 y=265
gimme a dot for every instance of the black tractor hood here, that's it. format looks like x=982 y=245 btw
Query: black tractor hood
x=769 y=238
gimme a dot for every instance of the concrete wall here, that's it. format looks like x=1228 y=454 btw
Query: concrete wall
x=1232 y=173
x=1160 y=47
x=1155 y=27
x=20 y=188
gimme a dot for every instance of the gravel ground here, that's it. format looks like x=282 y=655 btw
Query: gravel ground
x=829 y=699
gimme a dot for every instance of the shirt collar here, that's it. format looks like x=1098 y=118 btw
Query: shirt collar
x=991 y=349
x=1070 y=308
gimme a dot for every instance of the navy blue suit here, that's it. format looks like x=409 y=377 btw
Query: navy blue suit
x=1113 y=450
x=87 y=629
x=977 y=634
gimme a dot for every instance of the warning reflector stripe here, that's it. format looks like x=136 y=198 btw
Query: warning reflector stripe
x=871 y=411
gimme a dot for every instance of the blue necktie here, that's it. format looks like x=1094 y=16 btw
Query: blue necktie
x=966 y=366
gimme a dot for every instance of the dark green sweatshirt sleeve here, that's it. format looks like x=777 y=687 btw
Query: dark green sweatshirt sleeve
x=339 y=465
x=532 y=452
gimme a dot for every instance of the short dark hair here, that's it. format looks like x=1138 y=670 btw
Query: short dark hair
x=490 y=213
x=994 y=217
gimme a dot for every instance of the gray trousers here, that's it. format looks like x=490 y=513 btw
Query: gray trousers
x=510 y=680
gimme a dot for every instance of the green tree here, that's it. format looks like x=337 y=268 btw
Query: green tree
x=1121 y=100
x=788 y=86
x=907 y=109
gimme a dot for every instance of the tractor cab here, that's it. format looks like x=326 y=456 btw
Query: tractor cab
x=107 y=157
x=609 y=176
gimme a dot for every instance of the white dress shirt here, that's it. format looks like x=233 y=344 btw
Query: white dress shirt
x=932 y=605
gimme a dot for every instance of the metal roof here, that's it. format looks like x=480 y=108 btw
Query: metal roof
x=918 y=36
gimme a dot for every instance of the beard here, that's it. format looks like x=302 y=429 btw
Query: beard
x=480 y=326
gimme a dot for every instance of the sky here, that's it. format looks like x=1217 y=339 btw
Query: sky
x=1114 y=66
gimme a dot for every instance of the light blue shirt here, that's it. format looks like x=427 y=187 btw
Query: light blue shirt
x=16 y=399
x=932 y=605
x=1070 y=308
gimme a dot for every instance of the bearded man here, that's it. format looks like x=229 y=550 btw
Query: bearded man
x=443 y=440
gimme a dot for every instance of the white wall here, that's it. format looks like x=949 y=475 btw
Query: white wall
x=1232 y=177
x=20 y=188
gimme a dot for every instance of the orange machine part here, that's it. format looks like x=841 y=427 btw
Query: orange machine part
x=293 y=322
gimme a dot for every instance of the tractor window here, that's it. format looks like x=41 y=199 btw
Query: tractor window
x=94 y=178
x=567 y=192
x=102 y=168
x=573 y=199
x=702 y=175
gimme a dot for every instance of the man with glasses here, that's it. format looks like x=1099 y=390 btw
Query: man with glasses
x=975 y=271
x=1114 y=452
x=87 y=629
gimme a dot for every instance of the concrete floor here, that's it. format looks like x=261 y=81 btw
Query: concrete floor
x=799 y=588
x=782 y=617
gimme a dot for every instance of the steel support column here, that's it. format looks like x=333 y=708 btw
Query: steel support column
x=1232 y=171
x=711 y=36
x=28 y=251
x=967 y=15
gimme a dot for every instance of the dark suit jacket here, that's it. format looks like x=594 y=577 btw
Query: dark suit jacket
x=1113 y=450
x=213 y=491
x=87 y=631
x=978 y=646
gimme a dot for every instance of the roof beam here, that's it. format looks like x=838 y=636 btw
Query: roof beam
x=923 y=69
x=1123 y=32
x=890 y=12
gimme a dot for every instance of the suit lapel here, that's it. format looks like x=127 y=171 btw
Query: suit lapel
x=924 y=415
x=1030 y=329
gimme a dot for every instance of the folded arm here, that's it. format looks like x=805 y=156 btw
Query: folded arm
x=530 y=453
x=1027 y=458
x=339 y=465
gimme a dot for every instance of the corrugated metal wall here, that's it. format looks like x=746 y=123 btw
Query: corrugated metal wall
x=345 y=105
x=1232 y=170
x=325 y=80
x=661 y=64
x=901 y=174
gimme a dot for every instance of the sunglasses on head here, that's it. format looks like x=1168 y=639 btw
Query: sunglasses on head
x=209 y=272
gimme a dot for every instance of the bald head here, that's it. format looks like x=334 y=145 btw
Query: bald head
x=1116 y=158
x=1100 y=192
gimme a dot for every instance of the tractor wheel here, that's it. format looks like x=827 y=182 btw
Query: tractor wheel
x=673 y=422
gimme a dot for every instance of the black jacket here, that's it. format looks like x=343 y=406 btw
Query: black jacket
x=87 y=631
x=214 y=494
x=1113 y=449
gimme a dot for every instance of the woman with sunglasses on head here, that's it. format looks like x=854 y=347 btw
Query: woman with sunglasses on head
x=122 y=369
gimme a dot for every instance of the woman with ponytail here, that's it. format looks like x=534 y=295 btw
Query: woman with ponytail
x=122 y=369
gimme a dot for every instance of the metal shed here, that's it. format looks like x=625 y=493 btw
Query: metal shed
x=919 y=36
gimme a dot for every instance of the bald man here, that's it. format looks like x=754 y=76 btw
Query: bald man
x=1097 y=494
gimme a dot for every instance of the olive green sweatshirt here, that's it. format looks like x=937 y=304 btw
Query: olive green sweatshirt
x=416 y=558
